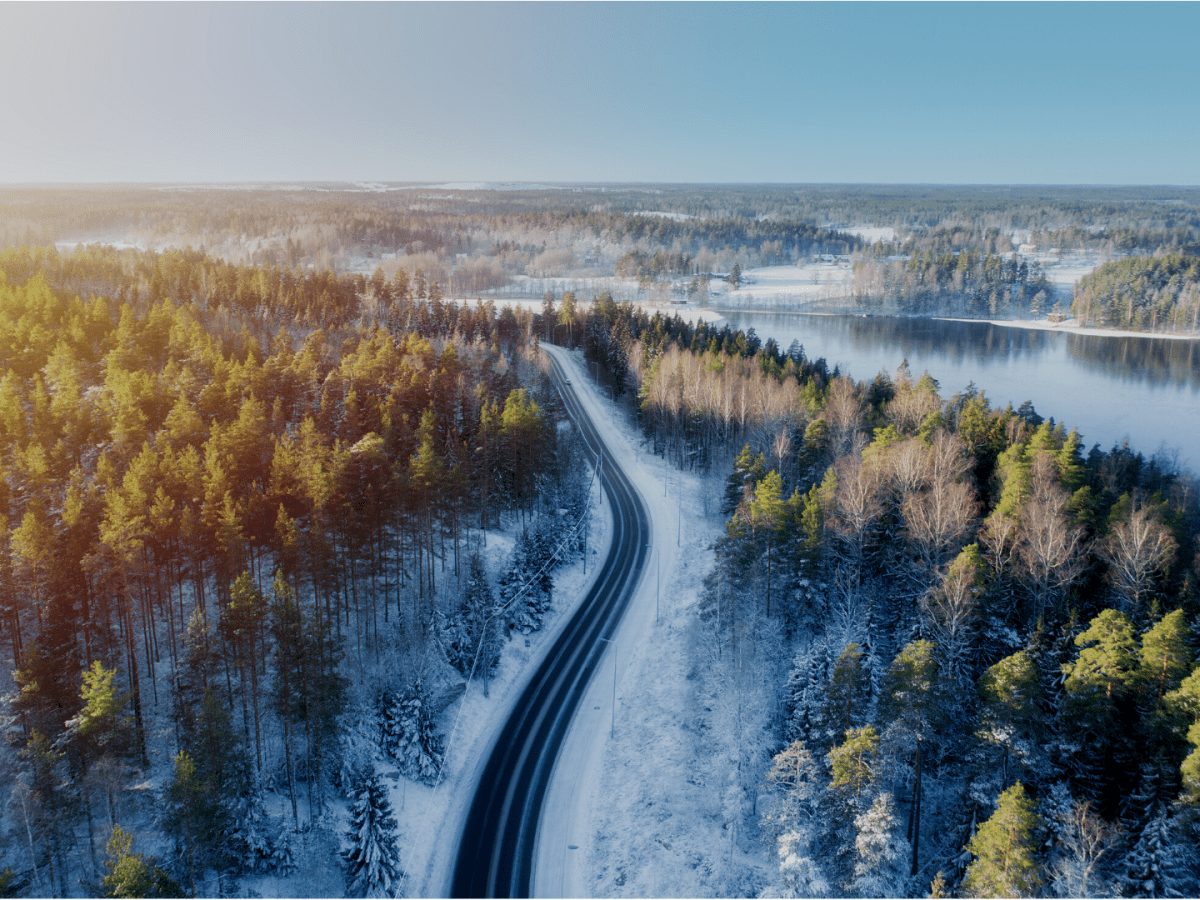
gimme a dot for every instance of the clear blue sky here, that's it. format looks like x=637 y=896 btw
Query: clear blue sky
x=855 y=92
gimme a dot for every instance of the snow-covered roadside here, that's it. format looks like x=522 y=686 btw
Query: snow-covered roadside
x=627 y=812
x=431 y=819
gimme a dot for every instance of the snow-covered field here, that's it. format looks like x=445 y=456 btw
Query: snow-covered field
x=784 y=287
x=870 y=233
x=1063 y=270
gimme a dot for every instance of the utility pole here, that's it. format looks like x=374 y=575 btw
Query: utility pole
x=613 y=732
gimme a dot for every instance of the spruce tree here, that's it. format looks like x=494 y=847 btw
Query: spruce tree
x=470 y=635
x=881 y=869
x=1156 y=866
x=373 y=859
x=412 y=734
x=1003 y=848
x=748 y=469
x=526 y=587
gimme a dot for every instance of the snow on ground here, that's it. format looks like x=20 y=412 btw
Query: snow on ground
x=626 y=813
x=1064 y=269
x=870 y=233
x=784 y=287
x=431 y=818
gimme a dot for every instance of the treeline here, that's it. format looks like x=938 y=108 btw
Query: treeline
x=646 y=267
x=961 y=283
x=265 y=298
x=472 y=239
x=1150 y=293
x=742 y=230
x=978 y=638
x=699 y=388
x=219 y=522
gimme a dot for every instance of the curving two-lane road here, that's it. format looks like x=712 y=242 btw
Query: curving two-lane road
x=495 y=857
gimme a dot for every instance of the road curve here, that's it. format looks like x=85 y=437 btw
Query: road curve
x=495 y=856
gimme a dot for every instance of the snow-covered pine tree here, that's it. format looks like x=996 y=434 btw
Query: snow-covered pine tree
x=802 y=699
x=1157 y=864
x=413 y=740
x=881 y=869
x=373 y=859
x=259 y=844
x=748 y=468
x=801 y=876
x=470 y=635
x=525 y=587
x=363 y=732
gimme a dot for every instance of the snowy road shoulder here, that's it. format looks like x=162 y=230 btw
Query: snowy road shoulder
x=432 y=831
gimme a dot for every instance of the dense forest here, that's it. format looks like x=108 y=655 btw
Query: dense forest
x=1143 y=293
x=961 y=647
x=962 y=283
x=230 y=521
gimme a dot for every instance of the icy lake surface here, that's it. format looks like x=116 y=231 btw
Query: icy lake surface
x=1108 y=388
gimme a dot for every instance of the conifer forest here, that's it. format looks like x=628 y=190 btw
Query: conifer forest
x=286 y=480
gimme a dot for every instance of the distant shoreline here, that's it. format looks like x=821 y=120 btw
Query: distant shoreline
x=1067 y=327
x=712 y=314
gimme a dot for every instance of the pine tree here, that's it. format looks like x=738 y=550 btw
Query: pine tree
x=1010 y=714
x=1003 y=848
x=801 y=876
x=846 y=699
x=1106 y=668
x=130 y=874
x=851 y=763
x=1164 y=658
x=793 y=780
x=373 y=859
x=1183 y=710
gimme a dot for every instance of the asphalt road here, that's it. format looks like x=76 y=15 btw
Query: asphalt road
x=495 y=857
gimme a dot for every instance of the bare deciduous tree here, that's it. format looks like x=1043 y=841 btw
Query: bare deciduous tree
x=1084 y=838
x=1135 y=551
x=1049 y=546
